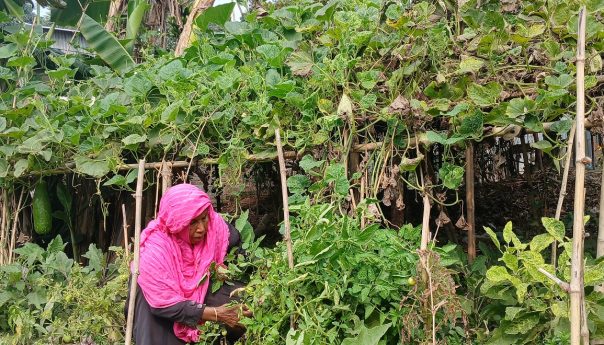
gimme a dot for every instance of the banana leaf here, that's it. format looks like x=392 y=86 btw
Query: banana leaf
x=136 y=12
x=12 y=8
x=69 y=16
x=106 y=45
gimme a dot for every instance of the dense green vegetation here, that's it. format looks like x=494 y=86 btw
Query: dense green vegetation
x=330 y=75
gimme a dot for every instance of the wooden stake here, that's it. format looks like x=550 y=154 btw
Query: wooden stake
x=11 y=247
x=137 y=234
x=569 y=154
x=166 y=176
x=576 y=295
x=4 y=229
x=288 y=239
x=470 y=202
x=425 y=222
x=600 y=248
x=125 y=226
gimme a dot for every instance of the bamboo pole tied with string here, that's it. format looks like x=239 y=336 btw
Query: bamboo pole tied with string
x=577 y=265
x=137 y=234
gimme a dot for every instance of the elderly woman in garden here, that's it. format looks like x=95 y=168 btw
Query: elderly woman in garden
x=177 y=250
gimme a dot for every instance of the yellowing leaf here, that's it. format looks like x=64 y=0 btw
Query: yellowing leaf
x=469 y=64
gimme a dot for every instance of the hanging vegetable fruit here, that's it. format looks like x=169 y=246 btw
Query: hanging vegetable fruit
x=41 y=209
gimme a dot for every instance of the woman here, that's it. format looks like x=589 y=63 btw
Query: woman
x=176 y=251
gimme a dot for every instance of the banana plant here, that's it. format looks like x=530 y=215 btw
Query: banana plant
x=105 y=45
x=136 y=12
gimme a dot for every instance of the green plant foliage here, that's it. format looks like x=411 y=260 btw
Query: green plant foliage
x=346 y=287
x=46 y=298
x=308 y=68
x=528 y=306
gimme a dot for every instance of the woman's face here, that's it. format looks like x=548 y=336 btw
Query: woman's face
x=198 y=227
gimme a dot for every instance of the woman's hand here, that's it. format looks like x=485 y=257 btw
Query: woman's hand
x=230 y=315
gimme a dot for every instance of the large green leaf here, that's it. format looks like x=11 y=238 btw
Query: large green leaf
x=136 y=12
x=13 y=8
x=368 y=336
x=106 y=45
x=218 y=15
x=71 y=14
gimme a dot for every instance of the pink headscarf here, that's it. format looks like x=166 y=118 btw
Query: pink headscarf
x=171 y=269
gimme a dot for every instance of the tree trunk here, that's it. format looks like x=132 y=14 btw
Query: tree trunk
x=115 y=9
x=185 y=35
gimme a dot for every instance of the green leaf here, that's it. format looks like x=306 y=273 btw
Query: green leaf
x=540 y=242
x=469 y=64
x=169 y=114
x=136 y=12
x=7 y=74
x=493 y=236
x=96 y=259
x=21 y=61
x=106 y=45
x=532 y=123
x=561 y=82
x=497 y=274
x=543 y=145
x=368 y=336
x=471 y=126
x=519 y=106
x=512 y=312
x=20 y=167
x=238 y=28
x=245 y=228
x=308 y=163
x=297 y=184
x=134 y=139
x=484 y=96
x=554 y=227
x=8 y=50
x=508 y=234
x=56 y=245
x=219 y=14
x=562 y=126
x=93 y=167
x=523 y=325
x=336 y=173
x=116 y=180
x=451 y=175
x=72 y=12
x=511 y=261
x=64 y=197
x=14 y=9
x=3 y=167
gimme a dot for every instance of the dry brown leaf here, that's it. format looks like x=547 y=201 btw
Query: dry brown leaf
x=400 y=105
x=442 y=219
x=462 y=224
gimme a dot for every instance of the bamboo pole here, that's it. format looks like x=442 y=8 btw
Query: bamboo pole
x=11 y=247
x=4 y=229
x=569 y=154
x=288 y=239
x=600 y=247
x=470 y=202
x=137 y=234
x=576 y=295
x=125 y=226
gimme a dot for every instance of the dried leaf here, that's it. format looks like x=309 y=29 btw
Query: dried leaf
x=442 y=219
x=400 y=105
x=462 y=224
